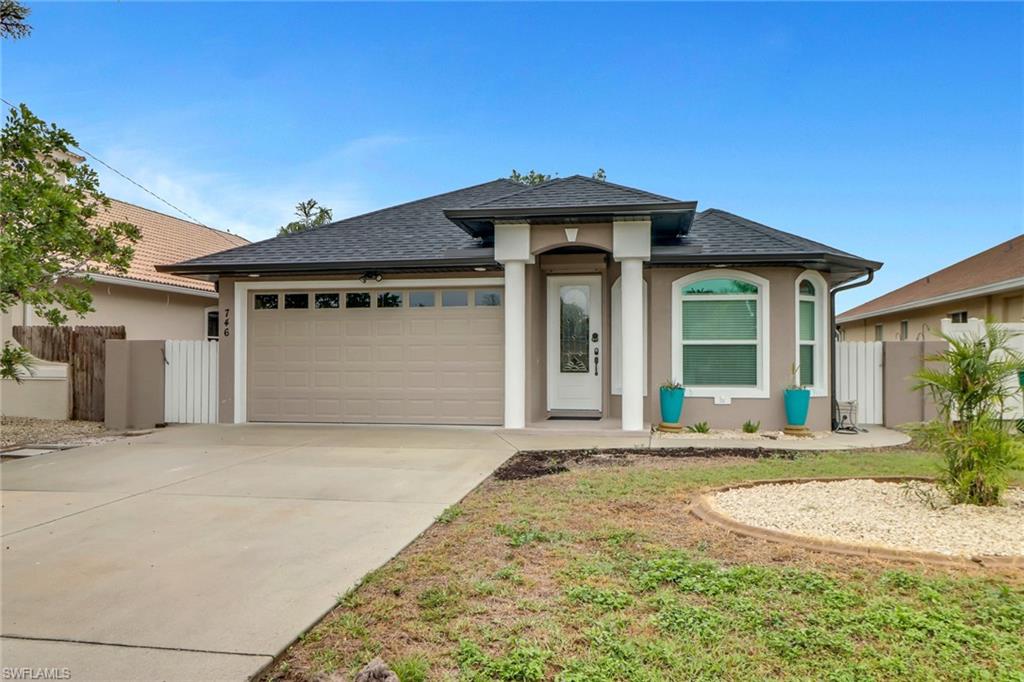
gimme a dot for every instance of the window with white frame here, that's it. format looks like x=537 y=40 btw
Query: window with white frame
x=720 y=341
x=811 y=331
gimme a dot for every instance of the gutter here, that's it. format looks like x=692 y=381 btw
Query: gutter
x=835 y=337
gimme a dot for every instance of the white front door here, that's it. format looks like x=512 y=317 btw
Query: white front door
x=575 y=359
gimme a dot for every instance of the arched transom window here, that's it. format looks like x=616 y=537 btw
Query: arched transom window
x=719 y=334
x=811 y=331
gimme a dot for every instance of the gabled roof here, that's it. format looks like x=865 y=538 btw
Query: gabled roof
x=982 y=273
x=423 y=234
x=576 y=191
x=166 y=239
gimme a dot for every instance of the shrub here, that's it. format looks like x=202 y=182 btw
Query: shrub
x=970 y=391
x=699 y=427
x=751 y=427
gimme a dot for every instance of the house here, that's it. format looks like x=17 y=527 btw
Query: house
x=988 y=285
x=510 y=305
x=149 y=304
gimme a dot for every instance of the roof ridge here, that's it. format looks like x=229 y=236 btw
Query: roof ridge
x=404 y=203
x=791 y=239
x=608 y=183
x=526 y=188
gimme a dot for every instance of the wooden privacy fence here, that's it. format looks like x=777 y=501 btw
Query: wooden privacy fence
x=83 y=349
x=859 y=377
x=190 y=382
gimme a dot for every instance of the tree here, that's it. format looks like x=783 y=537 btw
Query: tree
x=310 y=215
x=50 y=237
x=12 y=20
x=534 y=178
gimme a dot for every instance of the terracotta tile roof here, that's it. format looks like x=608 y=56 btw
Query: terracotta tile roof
x=166 y=239
x=998 y=264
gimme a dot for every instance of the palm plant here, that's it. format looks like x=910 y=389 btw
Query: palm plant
x=970 y=390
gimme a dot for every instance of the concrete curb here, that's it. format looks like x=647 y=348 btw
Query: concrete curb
x=702 y=510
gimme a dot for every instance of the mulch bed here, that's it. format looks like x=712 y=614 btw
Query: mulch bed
x=536 y=463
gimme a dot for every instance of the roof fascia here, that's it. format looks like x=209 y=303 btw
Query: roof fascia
x=994 y=288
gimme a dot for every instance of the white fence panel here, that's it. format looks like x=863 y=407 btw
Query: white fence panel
x=190 y=382
x=859 y=377
x=1014 y=408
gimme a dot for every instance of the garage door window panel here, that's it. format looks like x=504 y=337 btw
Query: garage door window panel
x=421 y=299
x=265 y=302
x=357 y=299
x=455 y=299
x=327 y=301
x=488 y=298
x=389 y=299
x=296 y=301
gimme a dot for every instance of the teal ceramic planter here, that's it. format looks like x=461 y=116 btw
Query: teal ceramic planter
x=798 y=400
x=1020 y=378
x=671 y=404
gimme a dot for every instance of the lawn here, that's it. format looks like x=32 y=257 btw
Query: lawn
x=599 y=574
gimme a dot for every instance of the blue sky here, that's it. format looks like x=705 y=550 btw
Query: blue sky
x=892 y=131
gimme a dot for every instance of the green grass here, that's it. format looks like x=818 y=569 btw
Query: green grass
x=598 y=574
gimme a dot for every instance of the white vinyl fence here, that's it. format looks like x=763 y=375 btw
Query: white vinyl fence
x=975 y=328
x=190 y=382
x=859 y=377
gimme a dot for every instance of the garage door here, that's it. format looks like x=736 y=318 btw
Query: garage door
x=408 y=356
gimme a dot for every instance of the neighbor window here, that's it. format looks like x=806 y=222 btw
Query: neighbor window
x=265 y=302
x=719 y=333
x=389 y=299
x=488 y=298
x=879 y=331
x=212 y=324
x=454 y=299
x=296 y=301
x=357 y=299
x=326 y=301
x=811 y=352
x=421 y=299
x=904 y=330
x=959 y=317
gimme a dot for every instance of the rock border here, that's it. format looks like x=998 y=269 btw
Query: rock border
x=701 y=509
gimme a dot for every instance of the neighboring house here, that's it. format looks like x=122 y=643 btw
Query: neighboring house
x=988 y=285
x=148 y=303
x=499 y=304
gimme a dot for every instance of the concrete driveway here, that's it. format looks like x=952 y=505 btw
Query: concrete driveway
x=199 y=552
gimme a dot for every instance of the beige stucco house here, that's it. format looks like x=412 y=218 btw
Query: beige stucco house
x=503 y=305
x=988 y=285
x=148 y=303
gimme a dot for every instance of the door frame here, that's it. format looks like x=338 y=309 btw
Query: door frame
x=235 y=322
x=551 y=338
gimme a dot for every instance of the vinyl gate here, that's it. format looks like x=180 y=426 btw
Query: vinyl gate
x=859 y=377
x=190 y=382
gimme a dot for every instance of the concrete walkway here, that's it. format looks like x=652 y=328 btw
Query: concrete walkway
x=198 y=553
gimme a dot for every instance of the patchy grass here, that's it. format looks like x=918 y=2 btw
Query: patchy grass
x=599 y=574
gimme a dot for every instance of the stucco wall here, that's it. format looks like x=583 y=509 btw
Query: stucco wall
x=148 y=314
x=902 y=404
x=40 y=398
x=782 y=329
x=134 y=384
x=923 y=323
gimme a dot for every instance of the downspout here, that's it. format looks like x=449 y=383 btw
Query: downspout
x=835 y=336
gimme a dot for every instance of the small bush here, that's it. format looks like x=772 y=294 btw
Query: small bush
x=450 y=514
x=699 y=427
x=751 y=426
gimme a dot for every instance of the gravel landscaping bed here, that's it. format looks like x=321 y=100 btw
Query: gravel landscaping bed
x=916 y=517
x=29 y=431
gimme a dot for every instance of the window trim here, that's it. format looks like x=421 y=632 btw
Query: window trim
x=206 y=322
x=762 y=389
x=820 y=386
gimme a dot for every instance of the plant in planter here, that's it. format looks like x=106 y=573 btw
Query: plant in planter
x=699 y=427
x=751 y=426
x=798 y=401
x=672 y=395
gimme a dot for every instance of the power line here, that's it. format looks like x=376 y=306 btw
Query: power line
x=140 y=186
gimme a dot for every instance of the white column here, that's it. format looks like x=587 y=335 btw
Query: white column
x=632 y=344
x=515 y=344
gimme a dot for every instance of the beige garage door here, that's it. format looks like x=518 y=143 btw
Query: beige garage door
x=409 y=356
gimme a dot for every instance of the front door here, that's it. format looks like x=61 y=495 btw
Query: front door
x=575 y=359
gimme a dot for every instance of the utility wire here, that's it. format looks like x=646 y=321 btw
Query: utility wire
x=140 y=186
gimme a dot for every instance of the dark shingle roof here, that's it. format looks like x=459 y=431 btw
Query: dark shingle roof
x=419 y=234
x=414 y=231
x=577 y=191
x=716 y=232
